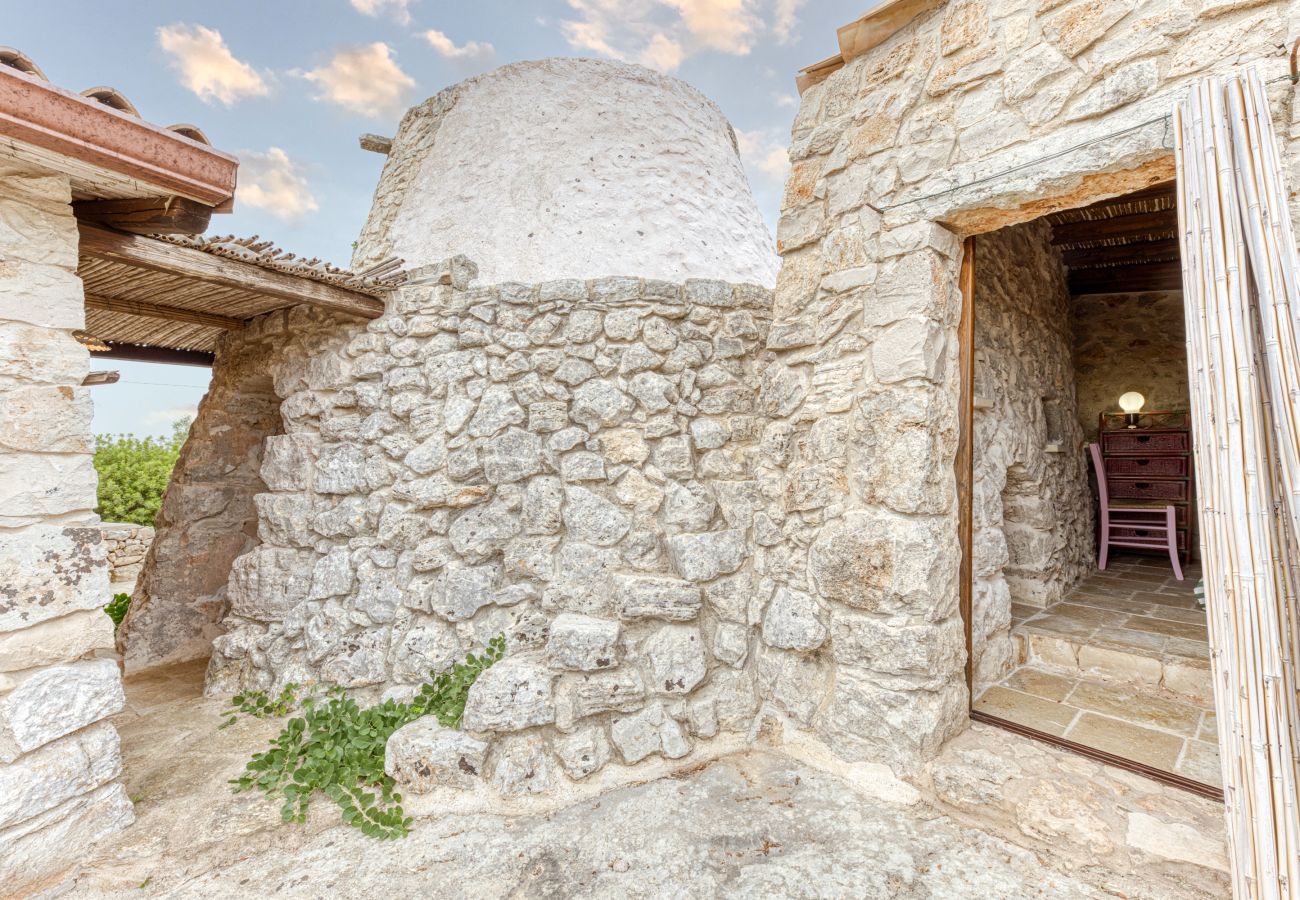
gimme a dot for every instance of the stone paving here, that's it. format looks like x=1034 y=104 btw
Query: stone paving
x=1122 y=665
x=752 y=824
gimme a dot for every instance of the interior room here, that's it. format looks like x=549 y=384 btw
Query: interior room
x=1086 y=623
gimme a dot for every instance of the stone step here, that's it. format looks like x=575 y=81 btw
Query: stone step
x=1180 y=676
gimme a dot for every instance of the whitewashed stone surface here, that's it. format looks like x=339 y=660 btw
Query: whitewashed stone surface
x=423 y=755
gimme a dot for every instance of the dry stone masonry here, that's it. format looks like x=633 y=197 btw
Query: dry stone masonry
x=569 y=464
x=125 y=546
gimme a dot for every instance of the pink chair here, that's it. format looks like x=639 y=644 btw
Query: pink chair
x=1145 y=525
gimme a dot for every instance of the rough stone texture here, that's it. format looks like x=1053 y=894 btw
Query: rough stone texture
x=423 y=755
x=125 y=546
x=208 y=517
x=643 y=159
x=58 y=761
x=1032 y=509
x=1129 y=342
x=574 y=473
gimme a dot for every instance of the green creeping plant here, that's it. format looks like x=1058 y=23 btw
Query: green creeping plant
x=336 y=747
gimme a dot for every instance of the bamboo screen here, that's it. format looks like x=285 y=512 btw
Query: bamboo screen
x=1242 y=302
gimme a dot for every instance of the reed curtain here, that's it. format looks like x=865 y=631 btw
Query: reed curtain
x=1242 y=300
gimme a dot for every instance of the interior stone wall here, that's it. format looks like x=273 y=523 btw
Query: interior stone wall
x=60 y=761
x=973 y=116
x=569 y=464
x=1129 y=342
x=208 y=516
x=1032 y=510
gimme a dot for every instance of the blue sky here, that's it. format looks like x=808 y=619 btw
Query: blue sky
x=289 y=85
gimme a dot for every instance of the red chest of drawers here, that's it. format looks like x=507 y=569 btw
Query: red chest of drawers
x=1154 y=463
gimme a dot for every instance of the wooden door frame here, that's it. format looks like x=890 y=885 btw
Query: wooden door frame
x=964 y=466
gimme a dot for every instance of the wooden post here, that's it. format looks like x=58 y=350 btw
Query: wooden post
x=965 y=462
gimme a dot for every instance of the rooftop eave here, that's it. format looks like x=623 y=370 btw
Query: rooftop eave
x=108 y=153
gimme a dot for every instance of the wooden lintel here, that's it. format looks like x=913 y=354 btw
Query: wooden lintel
x=172 y=259
x=1137 y=224
x=1115 y=254
x=1161 y=276
x=152 y=215
x=170 y=313
x=168 y=355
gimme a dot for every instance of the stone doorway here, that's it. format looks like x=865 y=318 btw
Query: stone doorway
x=1071 y=311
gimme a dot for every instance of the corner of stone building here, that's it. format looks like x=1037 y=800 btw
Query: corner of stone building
x=59 y=759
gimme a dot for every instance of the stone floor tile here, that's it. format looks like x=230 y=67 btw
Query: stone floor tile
x=1026 y=709
x=1123 y=702
x=1186 y=649
x=1175 y=614
x=1065 y=626
x=1182 y=601
x=1052 y=650
x=1121 y=664
x=1144 y=745
x=1168 y=628
x=1145 y=642
x=1200 y=762
x=1084 y=613
x=1047 y=685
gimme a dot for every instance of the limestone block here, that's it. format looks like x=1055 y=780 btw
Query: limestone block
x=678 y=661
x=437 y=491
x=705 y=556
x=522 y=764
x=1121 y=87
x=582 y=465
x=56 y=701
x=581 y=643
x=580 y=696
x=56 y=640
x=647 y=732
x=599 y=403
x=902 y=728
x=42 y=295
x=1028 y=70
x=50 y=571
x=909 y=348
x=885 y=563
x=358 y=659
x=931 y=653
x=42 y=779
x=46 y=418
x=586 y=586
x=38 y=486
x=543 y=501
x=582 y=753
x=731 y=643
x=34 y=355
x=644 y=597
x=1078 y=27
x=480 y=532
x=592 y=519
x=422 y=648
x=340 y=470
x=688 y=507
x=267 y=582
x=57 y=838
x=513 y=694
x=287 y=461
x=464 y=590
x=793 y=621
x=423 y=755
x=332 y=575
x=510 y=457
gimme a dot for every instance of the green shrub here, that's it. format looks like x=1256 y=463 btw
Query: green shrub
x=337 y=748
x=117 y=608
x=133 y=473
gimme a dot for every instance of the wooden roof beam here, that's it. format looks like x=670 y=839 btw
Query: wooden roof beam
x=169 y=313
x=1162 y=276
x=172 y=259
x=168 y=355
x=1117 y=254
x=151 y=215
x=1135 y=225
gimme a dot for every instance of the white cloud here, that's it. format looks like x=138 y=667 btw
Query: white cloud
x=661 y=33
x=364 y=80
x=785 y=20
x=764 y=155
x=275 y=183
x=662 y=53
x=206 y=65
x=470 y=51
x=170 y=415
x=398 y=9
x=782 y=99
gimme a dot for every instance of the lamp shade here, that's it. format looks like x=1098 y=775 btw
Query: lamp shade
x=1131 y=402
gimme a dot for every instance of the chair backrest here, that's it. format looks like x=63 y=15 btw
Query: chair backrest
x=1094 y=450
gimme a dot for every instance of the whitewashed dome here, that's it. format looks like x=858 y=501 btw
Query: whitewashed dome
x=570 y=168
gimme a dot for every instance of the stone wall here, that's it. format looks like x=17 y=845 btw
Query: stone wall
x=974 y=116
x=125 y=547
x=568 y=464
x=59 y=759
x=1129 y=342
x=1032 y=509
x=208 y=516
